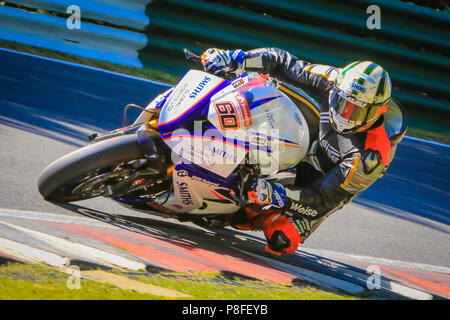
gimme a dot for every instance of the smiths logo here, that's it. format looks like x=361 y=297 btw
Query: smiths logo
x=184 y=193
x=199 y=87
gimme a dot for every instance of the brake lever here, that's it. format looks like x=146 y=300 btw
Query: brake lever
x=192 y=56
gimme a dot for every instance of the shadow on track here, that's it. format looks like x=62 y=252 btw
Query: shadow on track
x=241 y=246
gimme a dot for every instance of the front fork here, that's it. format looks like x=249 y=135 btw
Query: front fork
x=149 y=139
x=156 y=152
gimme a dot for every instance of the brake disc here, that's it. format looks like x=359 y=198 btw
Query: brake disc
x=97 y=185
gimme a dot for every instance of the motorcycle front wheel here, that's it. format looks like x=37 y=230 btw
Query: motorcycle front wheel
x=58 y=181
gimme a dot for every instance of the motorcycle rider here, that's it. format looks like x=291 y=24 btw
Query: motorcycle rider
x=351 y=151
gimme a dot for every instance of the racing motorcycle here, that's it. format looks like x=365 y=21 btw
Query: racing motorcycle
x=192 y=152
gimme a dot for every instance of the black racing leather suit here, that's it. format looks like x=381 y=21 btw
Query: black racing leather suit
x=339 y=166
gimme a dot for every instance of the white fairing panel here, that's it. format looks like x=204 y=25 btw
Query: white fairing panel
x=248 y=117
x=276 y=130
x=207 y=151
x=194 y=86
x=191 y=193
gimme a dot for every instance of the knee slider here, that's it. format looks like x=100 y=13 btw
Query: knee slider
x=278 y=241
x=281 y=234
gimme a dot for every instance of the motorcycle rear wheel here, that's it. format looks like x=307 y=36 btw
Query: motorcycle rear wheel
x=58 y=180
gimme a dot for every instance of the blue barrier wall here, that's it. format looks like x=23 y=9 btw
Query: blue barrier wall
x=129 y=13
x=413 y=43
x=106 y=35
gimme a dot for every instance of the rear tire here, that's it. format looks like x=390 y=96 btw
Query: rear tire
x=58 y=180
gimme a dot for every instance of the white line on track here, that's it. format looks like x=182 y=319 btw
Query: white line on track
x=428 y=141
x=80 y=249
x=376 y=260
x=393 y=286
x=409 y=292
x=314 y=277
x=45 y=216
x=53 y=217
x=30 y=254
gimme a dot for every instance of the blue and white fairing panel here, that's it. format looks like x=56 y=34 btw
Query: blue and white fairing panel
x=193 y=89
x=185 y=106
x=248 y=115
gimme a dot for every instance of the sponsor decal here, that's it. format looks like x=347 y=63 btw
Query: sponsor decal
x=358 y=87
x=228 y=119
x=215 y=150
x=199 y=87
x=299 y=208
x=182 y=173
x=245 y=109
x=184 y=193
x=303 y=226
x=270 y=118
x=203 y=180
x=367 y=78
x=160 y=208
x=237 y=83
x=179 y=94
x=258 y=140
x=278 y=198
x=332 y=153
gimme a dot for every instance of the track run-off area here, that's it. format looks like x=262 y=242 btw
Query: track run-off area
x=399 y=226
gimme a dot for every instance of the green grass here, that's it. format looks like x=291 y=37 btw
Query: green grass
x=442 y=137
x=37 y=282
x=157 y=75
x=216 y=287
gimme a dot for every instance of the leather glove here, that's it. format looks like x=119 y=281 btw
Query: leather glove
x=266 y=194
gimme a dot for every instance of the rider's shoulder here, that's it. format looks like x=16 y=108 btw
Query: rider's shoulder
x=329 y=72
x=377 y=144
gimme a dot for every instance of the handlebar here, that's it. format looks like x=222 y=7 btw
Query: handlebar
x=192 y=56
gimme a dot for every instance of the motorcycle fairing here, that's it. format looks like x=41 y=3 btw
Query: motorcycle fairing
x=146 y=205
x=206 y=147
x=243 y=114
x=196 y=190
x=188 y=99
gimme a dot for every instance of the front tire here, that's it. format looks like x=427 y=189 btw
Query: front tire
x=58 y=180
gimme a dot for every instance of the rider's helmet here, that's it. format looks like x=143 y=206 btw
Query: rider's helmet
x=359 y=97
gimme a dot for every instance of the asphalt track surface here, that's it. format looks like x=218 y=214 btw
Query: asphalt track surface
x=47 y=109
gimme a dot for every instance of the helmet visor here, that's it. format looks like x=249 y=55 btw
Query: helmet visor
x=348 y=113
